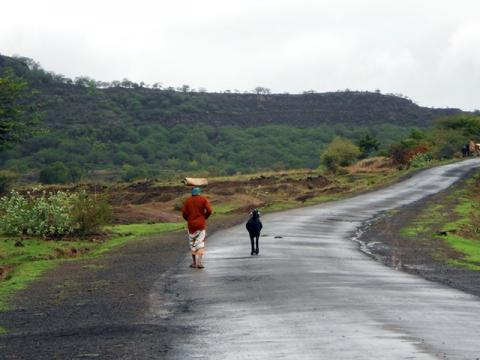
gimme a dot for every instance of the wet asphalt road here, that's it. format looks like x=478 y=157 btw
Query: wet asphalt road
x=311 y=294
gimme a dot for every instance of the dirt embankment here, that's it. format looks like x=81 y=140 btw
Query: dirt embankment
x=150 y=201
x=155 y=201
x=421 y=255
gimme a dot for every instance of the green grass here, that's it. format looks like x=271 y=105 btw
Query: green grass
x=469 y=247
x=469 y=242
x=457 y=215
x=36 y=256
x=127 y=233
x=323 y=198
x=145 y=229
x=425 y=222
x=224 y=208
x=21 y=277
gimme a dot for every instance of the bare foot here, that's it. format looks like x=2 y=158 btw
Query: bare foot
x=194 y=266
x=200 y=266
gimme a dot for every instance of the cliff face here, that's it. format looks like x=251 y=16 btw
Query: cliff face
x=85 y=101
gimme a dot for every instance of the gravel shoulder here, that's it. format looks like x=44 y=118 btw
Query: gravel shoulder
x=94 y=308
x=381 y=238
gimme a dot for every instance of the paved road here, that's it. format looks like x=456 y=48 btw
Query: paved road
x=311 y=294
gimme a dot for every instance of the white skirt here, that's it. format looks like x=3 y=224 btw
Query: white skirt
x=197 y=242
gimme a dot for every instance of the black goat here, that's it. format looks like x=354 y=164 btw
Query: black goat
x=254 y=226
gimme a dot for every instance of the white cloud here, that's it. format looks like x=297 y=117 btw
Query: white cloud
x=428 y=50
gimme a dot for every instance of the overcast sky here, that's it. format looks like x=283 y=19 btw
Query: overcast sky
x=428 y=50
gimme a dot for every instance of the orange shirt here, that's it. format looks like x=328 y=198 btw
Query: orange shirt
x=196 y=210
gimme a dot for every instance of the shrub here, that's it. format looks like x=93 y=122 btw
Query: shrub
x=135 y=173
x=420 y=160
x=59 y=173
x=52 y=215
x=90 y=213
x=47 y=215
x=445 y=143
x=368 y=144
x=445 y=151
x=402 y=155
x=6 y=180
x=56 y=173
x=340 y=152
x=75 y=173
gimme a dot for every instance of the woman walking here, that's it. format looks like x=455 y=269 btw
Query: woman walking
x=196 y=210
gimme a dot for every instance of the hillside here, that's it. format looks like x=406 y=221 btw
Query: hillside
x=134 y=103
x=133 y=130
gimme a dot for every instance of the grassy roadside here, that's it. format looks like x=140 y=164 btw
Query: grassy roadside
x=29 y=261
x=454 y=225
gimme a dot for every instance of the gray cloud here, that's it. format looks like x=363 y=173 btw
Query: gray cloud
x=428 y=50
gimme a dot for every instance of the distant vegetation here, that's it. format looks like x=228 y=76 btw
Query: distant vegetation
x=157 y=151
x=18 y=119
x=444 y=141
x=124 y=130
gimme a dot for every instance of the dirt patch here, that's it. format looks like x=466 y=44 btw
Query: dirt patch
x=422 y=255
x=150 y=201
x=4 y=271
x=70 y=252
x=150 y=212
x=372 y=165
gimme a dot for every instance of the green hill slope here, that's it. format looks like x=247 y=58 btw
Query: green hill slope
x=134 y=130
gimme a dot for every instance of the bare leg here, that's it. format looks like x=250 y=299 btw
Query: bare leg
x=194 y=261
x=199 y=262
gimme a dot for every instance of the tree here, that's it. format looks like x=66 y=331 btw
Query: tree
x=56 y=173
x=260 y=90
x=17 y=120
x=340 y=152
x=185 y=88
x=368 y=144
x=468 y=124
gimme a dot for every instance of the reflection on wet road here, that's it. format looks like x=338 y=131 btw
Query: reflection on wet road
x=311 y=294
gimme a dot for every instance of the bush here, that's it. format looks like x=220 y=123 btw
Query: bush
x=47 y=215
x=445 y=151
x=75 y=173
x=90 y=213
x=56 y=173
x=340 y=152
x=59 y=173
x=445 y=143
x=402 y=155
x=6 y=180
x=368 y=145
x=52 y=215
x=420 y=160
x=135 y=173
